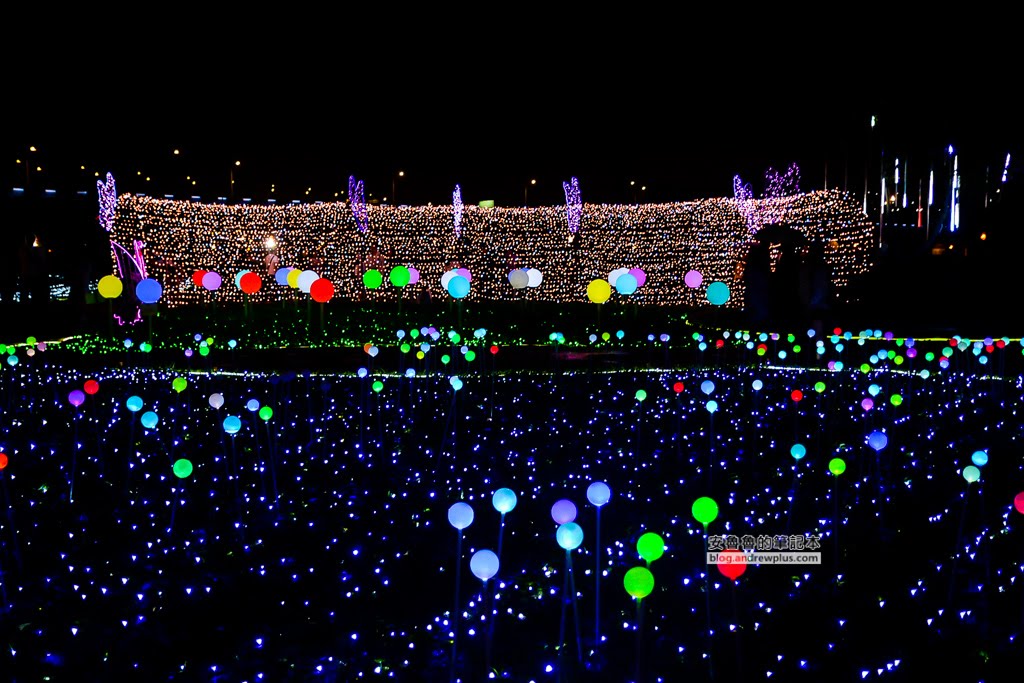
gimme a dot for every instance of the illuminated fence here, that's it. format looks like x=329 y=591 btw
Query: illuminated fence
x=665 y=240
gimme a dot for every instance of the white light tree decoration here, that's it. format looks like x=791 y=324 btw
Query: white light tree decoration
x=131 y=266
x=457 y=211
x=777 y=185
x=573 y=205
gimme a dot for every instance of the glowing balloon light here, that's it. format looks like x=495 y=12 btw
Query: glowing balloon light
x=651 y=546
x=712 y=406
x=707 y=386
x=232 y=424
x=197 y=277
x=693 y=279
x=569 y=536
x=599 y=291
x=878 y=440
x=182 y=469
x=797 y=395
x=599 y=494
x=134 y=404
x=678 y=387
x=308 y=277
x=212 y=281
x=281 y=276
x=1018 y=502
x=460 y=515
x=640 y=275
x=972 y=474
x=149 y=291
x=504 y=500
x=91 y=387
x=293 y=278
x=76 y=397
x=3 y=461
x=798 y=451
x=563 y=511
x=836 y=466
x=266 y=412
x=238 y=277
x=252 y=405
x=718 y=293
x=639 y=582
x=896 y=399
x=641 y=395
x=757 y=384
x=733 y=567
x=250 y=283
x=626 y=284
x=179 y=384
x=149 y=419
x=979 y=458
x=535 y=278
x=867 y=404
x=322 y=290
x=458 y=287
x=414 y=275
x=519 y=279
x=399 y=276
x=110 y=287
x=456 y=383
x=216 y=401
x=705 y=510
x=484 y=564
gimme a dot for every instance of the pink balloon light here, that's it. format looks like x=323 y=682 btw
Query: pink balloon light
x=693 y=279
x=641 y=276
x=464 y=272
x=414 y=275
x=212 y=281
x=1018 y=502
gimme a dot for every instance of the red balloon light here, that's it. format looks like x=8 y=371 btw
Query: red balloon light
x=678 y=387
x=494 y=350
x=734 y=568
x=321 y=290
x=1018 y=502
x=3 y=460
x=91 y=387
x=250 y=283
x=797 y=395
x=197 y=277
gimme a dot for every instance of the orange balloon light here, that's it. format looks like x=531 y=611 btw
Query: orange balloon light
x=250 y=283
x=3 y=461
x=321 y=290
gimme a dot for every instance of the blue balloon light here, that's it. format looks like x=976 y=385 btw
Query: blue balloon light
x=252 y=405
x=458 y=287
x=626 y=284
x=149 y=291
x=712 y=406
x=599 y=494
x=570 y=535
x=718 y=293
x=707 y=386
x=484 y=564
x=758 y=385
x=979 y=458
x=456 y=383
x=504 y=500
x=281 y=276
x=134 y=404
x=878 y=440
x=232 y=424
x=149 y=419
x=798 y=451
x=460 y=515
x=563 y=511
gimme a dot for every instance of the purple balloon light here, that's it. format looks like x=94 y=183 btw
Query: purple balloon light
x=641 y=276
x=211 y=281
x=76 y=397
x=563 y=512
x=693 y=279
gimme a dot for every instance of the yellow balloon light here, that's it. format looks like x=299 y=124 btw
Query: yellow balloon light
x=293 y=277
x=110 y=287
x=599 y=291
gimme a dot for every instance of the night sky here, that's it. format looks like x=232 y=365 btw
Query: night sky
x=491 y=111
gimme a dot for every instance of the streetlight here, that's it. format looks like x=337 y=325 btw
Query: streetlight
x=526 y=191
x=394 y=194
x=232 y=192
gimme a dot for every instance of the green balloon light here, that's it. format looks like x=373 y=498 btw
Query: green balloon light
x=896 y=400
x=819 y=387
x=650 y=546
x=378 y=386
x=836 y=466
x=182 y=469
x=639 y=582
x=470 y=355
x=972 y=474
x=705 y=510
x=372 y=279
x=641 y=394
x=399 y=276
x=446 y=359
x=266 y=412
x=179 y=384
